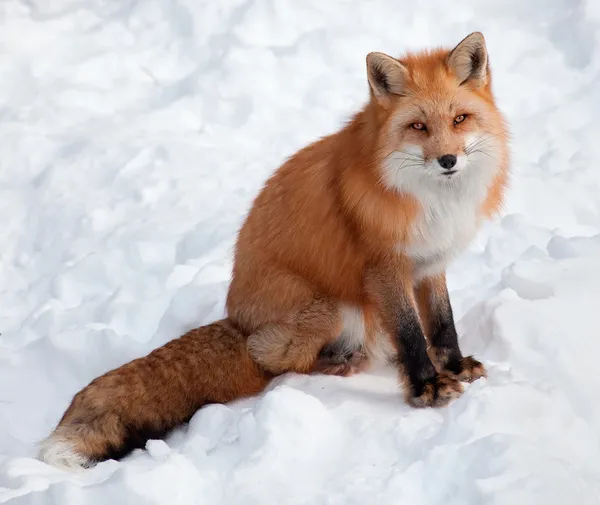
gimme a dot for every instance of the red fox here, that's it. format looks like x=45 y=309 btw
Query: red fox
x=340 y=262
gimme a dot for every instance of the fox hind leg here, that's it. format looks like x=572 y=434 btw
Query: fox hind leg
x=294 y=345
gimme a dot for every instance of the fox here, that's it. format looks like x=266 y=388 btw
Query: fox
x=339 y=264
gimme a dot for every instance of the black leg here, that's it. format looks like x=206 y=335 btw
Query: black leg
x=427 y=387
x=392 y=292
x=438 y=320
x=412 y=348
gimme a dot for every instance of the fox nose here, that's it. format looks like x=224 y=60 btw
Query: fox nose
x=447 y=161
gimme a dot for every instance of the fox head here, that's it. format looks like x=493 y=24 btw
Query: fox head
x=437 y=120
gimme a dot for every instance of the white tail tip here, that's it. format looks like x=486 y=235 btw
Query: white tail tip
x=58 y=451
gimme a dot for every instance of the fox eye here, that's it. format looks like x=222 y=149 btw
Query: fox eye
x=418 y=126
x=459 y=119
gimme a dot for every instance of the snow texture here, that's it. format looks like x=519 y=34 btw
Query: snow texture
x=135 y=135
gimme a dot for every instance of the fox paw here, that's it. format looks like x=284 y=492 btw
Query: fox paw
x=466 y=370
x=344 y=364
x=438 y=391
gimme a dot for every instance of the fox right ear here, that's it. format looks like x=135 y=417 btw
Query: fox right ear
x=387 y=76
x=469 y=59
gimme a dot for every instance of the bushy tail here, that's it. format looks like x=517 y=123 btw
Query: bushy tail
x=60 y=450
x=145 y=398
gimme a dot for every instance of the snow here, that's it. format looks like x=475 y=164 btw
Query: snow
x=135 y=135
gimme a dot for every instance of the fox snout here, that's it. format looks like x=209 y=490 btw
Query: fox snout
x=448 y=164
x=447 y=161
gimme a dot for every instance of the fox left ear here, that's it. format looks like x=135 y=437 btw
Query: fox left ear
x=469 y=59
x=387 y=77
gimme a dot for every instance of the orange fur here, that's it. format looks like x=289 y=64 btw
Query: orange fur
x=330 y=234
x=325 y=217
x=148 y=396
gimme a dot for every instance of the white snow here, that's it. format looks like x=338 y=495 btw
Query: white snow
x=134 y=135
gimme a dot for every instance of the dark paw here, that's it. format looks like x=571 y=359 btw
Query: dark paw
x=466 y=369
x=337 y=360
x=336 y=351
x=438 y=391
x=451 y=362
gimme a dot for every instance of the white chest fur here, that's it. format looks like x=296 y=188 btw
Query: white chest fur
x=445 y=227
x=451 y=206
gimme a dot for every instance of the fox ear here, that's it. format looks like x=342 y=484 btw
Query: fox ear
x=469 y=59
x=386 y=75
